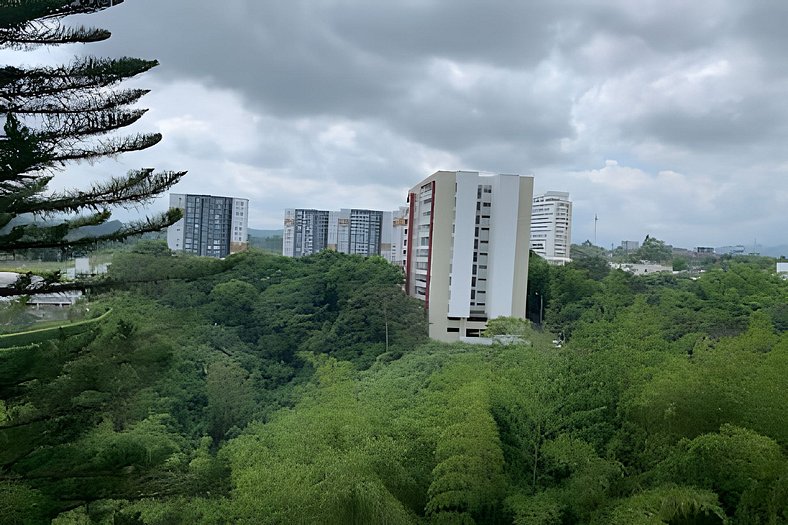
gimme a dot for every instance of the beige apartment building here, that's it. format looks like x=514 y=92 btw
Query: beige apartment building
x=467 y=246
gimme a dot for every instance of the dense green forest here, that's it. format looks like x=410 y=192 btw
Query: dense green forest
x=262 y=389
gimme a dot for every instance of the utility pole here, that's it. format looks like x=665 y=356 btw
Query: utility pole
x=595 y=221
x=386 y=320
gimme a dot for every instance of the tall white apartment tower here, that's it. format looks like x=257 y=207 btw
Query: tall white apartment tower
x=467 y=249
x=551 y=226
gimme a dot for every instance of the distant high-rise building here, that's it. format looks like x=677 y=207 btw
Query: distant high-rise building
x=211 y=226
x=630 y=246
x=467 y=249
x=551 y=226
x=305 y=232
x=358 y=232
x=351 y=231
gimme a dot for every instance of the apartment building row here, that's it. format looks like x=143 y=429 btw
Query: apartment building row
x=351 y=231
x=463 y=241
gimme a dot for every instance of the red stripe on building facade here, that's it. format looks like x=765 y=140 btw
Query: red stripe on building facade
x=429 y=251
x=409 y=241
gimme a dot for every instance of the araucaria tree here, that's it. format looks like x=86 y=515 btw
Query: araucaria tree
x=55 y=115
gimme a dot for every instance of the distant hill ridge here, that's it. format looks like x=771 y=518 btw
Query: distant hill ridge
x=264 y=233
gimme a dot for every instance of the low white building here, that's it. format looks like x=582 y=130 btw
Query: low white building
x=642 y=268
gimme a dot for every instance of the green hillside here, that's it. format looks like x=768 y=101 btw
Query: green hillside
x=263 y=389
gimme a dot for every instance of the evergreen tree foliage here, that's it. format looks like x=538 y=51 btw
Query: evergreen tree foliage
x=55 y=115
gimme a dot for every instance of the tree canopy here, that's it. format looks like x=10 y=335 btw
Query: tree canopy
x=654 y=250
x=56 y=115
x=665 y=404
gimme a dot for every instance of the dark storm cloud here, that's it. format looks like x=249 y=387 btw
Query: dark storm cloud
x=733 y=125
x=281 y=56
x=371 y=95
x=762 y=25
x=515 y=34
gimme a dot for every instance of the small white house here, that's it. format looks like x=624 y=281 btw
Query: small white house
x=642 y=268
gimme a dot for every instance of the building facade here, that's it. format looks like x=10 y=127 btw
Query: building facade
x=359 y=232
x=551 y=226
x=467 y=249
x=630 y=246
x=351 y=231
x=397 y=254
x=305 y=232
x=211 y=226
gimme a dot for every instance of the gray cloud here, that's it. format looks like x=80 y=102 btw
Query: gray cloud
x=326 y=102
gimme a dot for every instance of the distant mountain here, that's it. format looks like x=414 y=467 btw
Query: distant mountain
x=264 y=233
x=266 y=240
x=95 y=231
x=85 y=231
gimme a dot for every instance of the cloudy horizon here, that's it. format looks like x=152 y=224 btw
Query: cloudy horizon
x=663 y=118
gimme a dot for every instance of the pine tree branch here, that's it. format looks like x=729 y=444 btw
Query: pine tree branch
x=49 y=32
x=107 y=148
x=21 y=151
x=70 y=104
x=84 y=124
x=32 y=236
x=84 y=73
x=137 y=187
x=18 y=13
x=83 y=103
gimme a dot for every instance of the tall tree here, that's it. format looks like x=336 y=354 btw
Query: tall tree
x=654 y=250
x=61 y=114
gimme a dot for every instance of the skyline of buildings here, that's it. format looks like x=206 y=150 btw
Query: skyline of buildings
x=211 y=226
x=463 y=241
x=467 y=241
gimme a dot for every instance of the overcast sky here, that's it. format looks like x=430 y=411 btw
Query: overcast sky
x=664 y=117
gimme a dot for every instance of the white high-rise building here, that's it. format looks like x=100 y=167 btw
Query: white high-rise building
x=551 y=226
x=211 y=226
x=467 y=249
